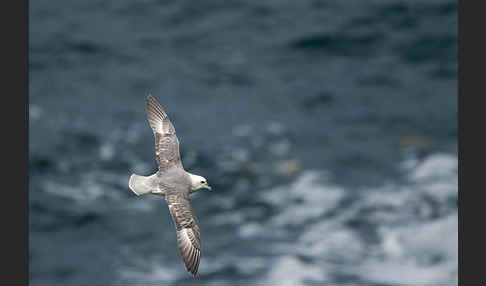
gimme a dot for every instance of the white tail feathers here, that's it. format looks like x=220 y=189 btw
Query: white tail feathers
x=142 y=185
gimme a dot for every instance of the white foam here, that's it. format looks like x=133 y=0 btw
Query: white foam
x=250 y=229
x=307 y=198
x=435 y=166
x=412 y=246
x=156 y=273
x=86 y=192
x=290 y=271
x=329 y=241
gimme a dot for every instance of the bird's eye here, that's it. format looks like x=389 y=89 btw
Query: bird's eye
x=202 y=182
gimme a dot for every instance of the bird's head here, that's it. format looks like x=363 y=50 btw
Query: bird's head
x=198 y=182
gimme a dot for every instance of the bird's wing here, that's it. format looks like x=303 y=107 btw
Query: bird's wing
x=166 y=142
x=187 y=229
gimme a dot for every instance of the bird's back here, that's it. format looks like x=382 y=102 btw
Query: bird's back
x=174 y=179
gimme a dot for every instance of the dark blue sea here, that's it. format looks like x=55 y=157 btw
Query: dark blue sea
x=328 y=130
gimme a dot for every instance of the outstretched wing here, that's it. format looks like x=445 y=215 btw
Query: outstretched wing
x=187 y=230
x=166 y=142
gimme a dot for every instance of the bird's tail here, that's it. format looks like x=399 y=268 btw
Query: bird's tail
x=142 y=185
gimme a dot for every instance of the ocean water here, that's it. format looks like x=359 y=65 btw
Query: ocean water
x=328 y=130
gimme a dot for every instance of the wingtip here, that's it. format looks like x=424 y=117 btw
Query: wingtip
x=153 y=103
x=195 y=268
x=194 y=274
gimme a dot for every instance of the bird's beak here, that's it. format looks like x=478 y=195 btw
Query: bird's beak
x=209 y=187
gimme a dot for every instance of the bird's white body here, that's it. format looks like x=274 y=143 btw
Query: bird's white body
x=142 y=185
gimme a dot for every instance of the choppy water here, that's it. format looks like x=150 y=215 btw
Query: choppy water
x=327 y=129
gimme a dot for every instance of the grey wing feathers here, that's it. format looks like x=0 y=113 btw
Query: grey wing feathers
x=166 y=141
x=188 y=239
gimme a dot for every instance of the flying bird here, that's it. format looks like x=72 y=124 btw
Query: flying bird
x=174 y=183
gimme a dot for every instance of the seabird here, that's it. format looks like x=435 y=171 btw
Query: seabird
x=174 y=183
